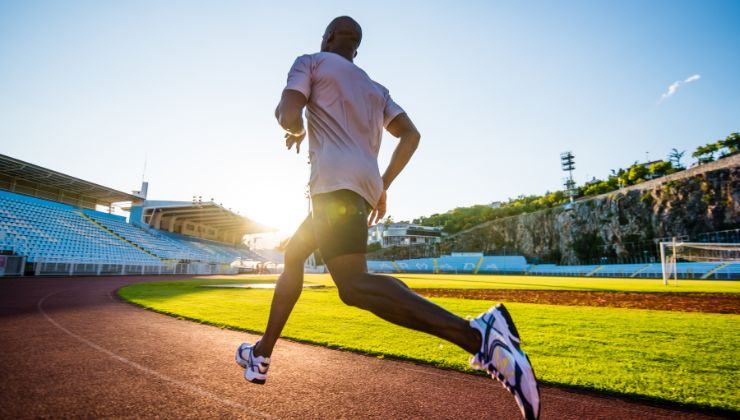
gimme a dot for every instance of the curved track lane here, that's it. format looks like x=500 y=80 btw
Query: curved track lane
x=70 y=348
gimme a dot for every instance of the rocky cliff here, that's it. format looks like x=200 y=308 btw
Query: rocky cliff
x=623 y=226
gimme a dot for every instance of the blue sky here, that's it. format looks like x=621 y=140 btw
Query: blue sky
x=497 y=89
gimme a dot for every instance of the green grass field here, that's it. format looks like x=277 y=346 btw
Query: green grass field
x=688 y=358
x=471 y=281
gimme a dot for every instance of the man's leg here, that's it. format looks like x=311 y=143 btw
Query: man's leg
x=390 y=299
x=288 y=287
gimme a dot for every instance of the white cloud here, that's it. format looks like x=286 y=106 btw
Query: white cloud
x=673 y=88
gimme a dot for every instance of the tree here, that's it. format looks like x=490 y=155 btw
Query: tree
x=731 y=143
x=597 y=187
x=375 y=246
x=675 y=158
x=636 y=174
x=660 y=168
x=704 y=154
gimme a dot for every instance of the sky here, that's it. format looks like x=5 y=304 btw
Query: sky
x=497 y=89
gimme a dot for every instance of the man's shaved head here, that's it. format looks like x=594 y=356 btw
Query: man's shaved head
x=343 y=33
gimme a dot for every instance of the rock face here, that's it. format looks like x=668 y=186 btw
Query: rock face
x=623 y=226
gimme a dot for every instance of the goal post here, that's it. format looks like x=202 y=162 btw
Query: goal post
x=674 y=252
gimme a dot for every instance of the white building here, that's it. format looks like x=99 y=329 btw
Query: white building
x=403 y=234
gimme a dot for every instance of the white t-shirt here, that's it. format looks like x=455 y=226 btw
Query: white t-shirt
x=346 y=114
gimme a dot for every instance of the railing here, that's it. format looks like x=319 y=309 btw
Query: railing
x=551 y=270
x=722 y=236
x=86 y=268
x=11 y=265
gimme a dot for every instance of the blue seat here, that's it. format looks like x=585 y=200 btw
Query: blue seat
x=457 y=264
x=380 y=266
x=416 y=265
x=48 y=231
x=503 y=264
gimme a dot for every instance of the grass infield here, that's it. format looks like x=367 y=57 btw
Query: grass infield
x=472 y=281
x=687 y=358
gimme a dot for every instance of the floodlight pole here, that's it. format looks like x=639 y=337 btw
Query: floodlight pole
x=568 y=164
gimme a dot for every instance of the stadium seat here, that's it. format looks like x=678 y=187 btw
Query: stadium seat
x=49 y=231
x=211 y=251
x=728 y=272
x=416 y=265
x=503 y=265
x=380 y=267
x=685 y=270
x=456 y=264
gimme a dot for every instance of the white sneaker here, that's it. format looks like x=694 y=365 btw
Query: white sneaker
x=255 y=367
x=502 y=357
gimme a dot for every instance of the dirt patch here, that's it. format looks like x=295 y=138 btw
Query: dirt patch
x=721 y=303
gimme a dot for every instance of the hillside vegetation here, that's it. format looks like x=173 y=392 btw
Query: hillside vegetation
x=463 y=218
x=619 y=227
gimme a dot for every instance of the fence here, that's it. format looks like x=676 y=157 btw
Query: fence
x=57 y=268
x=12 y=265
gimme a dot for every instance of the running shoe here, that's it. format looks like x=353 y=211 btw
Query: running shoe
x=502 y=357
x=255 y=367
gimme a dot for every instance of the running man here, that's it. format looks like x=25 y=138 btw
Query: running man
x=346 y=113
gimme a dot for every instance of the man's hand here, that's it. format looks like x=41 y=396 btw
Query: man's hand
x=290 y=140
x=378 y=212
x=289 y=114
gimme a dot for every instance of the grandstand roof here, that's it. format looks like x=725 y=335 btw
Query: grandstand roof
x=29 y=179
x=207 y=213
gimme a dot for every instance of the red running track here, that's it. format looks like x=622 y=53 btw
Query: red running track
x=70 y=348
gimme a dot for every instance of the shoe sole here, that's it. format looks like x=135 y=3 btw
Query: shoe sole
x=254 y=381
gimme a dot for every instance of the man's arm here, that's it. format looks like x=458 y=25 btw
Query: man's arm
x=402 y=128
x=289 y=114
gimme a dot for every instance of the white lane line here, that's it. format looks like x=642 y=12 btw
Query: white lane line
x=152 y=372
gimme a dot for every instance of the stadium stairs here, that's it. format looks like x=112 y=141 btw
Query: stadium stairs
x=637 y=273
x=396 y=267
x=477 y=265
x=594 y=271
x=715 y=269
x=95 y=222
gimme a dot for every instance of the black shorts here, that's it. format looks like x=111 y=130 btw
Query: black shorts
x=338 y=222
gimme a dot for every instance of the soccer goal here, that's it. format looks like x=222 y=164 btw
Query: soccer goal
x=708 y=259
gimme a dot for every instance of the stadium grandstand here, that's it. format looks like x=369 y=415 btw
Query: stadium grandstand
x=55 y=224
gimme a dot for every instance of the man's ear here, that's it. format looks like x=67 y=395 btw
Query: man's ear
x=355 y=55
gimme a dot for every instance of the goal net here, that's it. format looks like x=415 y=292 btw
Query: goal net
x=711 y=257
